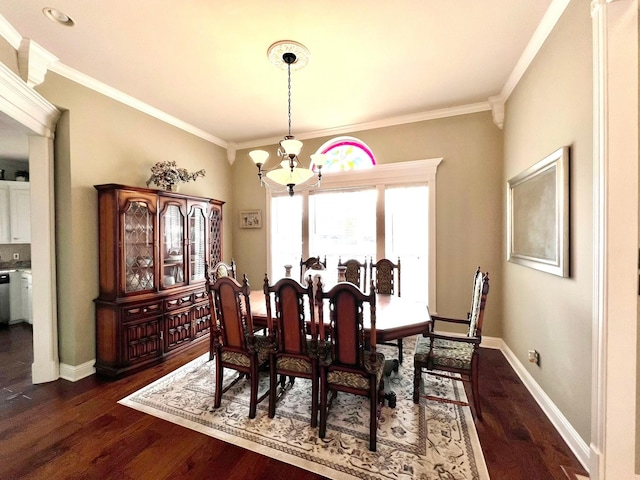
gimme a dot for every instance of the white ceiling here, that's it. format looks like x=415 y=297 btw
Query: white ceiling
x=204 y=62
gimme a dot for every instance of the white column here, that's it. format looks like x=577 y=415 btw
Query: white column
x=615 y=67
x=46 y=366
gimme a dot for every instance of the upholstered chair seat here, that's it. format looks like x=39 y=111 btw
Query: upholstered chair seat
x=358 y=379
x=450 y=354
x=295 y=363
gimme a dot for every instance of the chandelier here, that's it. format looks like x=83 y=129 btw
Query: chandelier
x=289 y=173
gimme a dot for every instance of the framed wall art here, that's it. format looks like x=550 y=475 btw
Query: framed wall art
x=251 y=219
x=538 y=215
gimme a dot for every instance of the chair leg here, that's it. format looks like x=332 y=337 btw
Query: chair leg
x=314 y=398
x=417 y=373
x=273 y=387
x=400 y=351
x=474 y=386
x=377 y=394
x=219 y=375
x=253 y=378
x=323 y=406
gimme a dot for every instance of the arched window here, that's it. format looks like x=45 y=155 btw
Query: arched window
x=346 y=153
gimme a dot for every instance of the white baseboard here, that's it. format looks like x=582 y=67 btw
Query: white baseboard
x=492 y=342
x=75 y=373
x=577 y=445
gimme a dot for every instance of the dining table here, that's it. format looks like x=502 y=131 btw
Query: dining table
x=396 y=317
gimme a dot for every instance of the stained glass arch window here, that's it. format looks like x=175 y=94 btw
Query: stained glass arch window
x=346 y=153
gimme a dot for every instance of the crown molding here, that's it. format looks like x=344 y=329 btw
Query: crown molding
x=9 y=33
x=34 y=62
x=548 y=22
x=115 y=94
x=389 y=122
x=25 y=105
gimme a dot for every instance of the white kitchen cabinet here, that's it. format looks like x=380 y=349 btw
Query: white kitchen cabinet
x=15 y=212
x=20 y=212
x=5 y=234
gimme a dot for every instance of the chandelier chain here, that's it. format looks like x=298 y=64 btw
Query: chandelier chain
x=289 y=90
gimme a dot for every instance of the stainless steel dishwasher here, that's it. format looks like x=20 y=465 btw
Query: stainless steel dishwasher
x=5 y=312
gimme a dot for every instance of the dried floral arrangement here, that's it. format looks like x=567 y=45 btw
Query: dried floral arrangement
x=168 y=174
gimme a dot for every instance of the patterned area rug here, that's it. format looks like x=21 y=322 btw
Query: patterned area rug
x=432 y=440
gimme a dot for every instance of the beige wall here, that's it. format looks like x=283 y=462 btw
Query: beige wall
x=552 y=107
x=99 y=140
x=469 y=203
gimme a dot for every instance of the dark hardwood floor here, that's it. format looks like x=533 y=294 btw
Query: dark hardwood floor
x=64 y=430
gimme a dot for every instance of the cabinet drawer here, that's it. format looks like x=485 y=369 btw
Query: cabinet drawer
x=201 y=320
x=200 y=296
x=141 y=310
x=178 y=301
x=177 y=329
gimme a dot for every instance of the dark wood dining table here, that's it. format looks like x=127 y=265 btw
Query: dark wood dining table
x=396 y=317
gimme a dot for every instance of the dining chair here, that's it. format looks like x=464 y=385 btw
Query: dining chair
x=387 y=282
x=222 y=269
x=356 y=271
x=347 y=363
x=452 y=355
x=311 y=263
x=233 y=342
x=295 y=345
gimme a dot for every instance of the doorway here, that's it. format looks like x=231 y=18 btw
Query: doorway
x=37 y=118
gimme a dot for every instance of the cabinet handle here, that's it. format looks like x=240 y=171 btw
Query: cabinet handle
x=145 y=310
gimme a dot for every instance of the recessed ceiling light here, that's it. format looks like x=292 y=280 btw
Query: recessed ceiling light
x=58 y=17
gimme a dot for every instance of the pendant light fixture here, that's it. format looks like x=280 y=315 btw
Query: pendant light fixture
x=289 y=173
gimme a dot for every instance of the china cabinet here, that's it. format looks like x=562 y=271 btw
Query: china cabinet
x=153 y=247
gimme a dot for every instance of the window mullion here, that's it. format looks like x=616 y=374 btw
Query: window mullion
x=380 y=222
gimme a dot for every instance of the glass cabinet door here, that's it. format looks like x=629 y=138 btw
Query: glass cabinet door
x=197 y=242
x=138 y=247
x=172 y=246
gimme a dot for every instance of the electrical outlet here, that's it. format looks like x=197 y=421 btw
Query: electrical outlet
x=16 y=256
x=534 y=357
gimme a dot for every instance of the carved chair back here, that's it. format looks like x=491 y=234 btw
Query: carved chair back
x=356 y=271
x=387 y=276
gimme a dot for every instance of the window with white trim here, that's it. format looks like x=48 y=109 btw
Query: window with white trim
x=382 y=212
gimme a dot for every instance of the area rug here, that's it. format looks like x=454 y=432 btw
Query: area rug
x=432 y=440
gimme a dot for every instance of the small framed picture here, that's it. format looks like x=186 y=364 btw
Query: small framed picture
x=251 y=219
